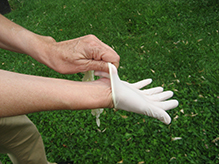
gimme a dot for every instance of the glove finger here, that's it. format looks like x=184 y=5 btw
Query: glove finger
x=167 y=105
x=101 y=74
x=158 y=113
x=152 y=91
x=161 y=96
x=141 y=84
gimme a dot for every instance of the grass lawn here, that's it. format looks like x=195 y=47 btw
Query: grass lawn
x=174 y=42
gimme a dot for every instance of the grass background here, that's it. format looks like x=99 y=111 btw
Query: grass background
x=174 y=42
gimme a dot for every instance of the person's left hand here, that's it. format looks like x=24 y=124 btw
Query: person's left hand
x=80 y=55
x=151 y=102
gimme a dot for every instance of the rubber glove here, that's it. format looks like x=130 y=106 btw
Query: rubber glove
x=129 y=97
x=89 y=76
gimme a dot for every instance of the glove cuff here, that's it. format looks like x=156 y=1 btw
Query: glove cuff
x=112 y=85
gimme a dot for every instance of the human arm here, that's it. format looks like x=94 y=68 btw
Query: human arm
x=23 y=94
x=67 y=57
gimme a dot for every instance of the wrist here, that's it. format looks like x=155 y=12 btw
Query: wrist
x=41 y=48
x=102 y=93
x=91 y=95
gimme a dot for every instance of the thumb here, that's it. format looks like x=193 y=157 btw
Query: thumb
x=98 y=66
x=141 y=84
x=101 y=74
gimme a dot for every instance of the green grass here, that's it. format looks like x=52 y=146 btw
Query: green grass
x=174 y=42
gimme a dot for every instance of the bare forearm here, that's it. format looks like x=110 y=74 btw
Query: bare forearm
x=71 y=56
x=15 y=38
x=22 y=94
x=8 y=32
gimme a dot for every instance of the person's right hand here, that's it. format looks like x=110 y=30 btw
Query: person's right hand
x=80 y=55
x=72 y=56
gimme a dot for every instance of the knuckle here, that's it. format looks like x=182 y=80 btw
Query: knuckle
x=102 y=66
x=51 y=39
x=95 y=50
x=92 y=37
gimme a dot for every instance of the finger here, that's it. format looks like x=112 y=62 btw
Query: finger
x=152 y=91
x=141 y=84
x=112 y=69
x=98 y=66
x=101 y=74
x=103 y=52
x=111 y=56
x=161 y=96
x=158 y=113
x=167 y=105
x=98 y=51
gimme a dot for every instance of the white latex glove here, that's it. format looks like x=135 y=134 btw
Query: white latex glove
x=129 y=97
x=89 y=76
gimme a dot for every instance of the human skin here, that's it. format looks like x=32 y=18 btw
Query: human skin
x=67 y=57
x=22 y=94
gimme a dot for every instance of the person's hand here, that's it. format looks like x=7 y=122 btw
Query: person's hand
x=72 y=56
x=151 y=102
x=80 y=55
